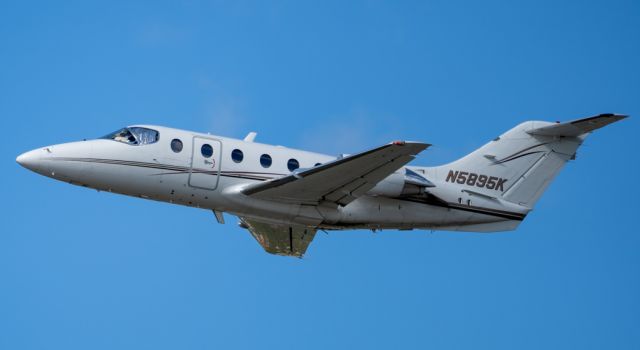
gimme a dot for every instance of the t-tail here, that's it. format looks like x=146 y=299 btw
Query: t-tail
x=518 y=166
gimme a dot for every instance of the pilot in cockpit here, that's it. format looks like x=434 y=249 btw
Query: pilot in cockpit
x=124 y=136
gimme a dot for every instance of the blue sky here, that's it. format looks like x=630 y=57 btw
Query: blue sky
x=336 y=77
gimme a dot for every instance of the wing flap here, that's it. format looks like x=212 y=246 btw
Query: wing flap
x=340 y=181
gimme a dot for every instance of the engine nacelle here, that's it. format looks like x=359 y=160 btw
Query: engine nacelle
x=391 y=186
x=403 y=183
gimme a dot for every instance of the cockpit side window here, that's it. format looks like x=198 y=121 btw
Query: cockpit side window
x=134 y=136
x=144 y=136
x=122 y=135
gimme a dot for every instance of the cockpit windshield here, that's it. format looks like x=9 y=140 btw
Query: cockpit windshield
x=134 y=136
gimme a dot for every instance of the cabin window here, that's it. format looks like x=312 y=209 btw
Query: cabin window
x=134 y=136
x=206 y=150
x=176 y=145
x=265 y=160
x=317 y=164
x=293 y=164
x=237 y=155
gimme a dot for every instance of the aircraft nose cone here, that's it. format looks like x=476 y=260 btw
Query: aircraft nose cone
x=29 y=160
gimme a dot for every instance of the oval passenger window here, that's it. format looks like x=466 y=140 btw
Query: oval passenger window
x=176 y=145
x=265 y=160
x=293 y=164
x=237 y=155
x=207 y=150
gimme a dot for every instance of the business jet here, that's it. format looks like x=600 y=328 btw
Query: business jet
x=283 y=196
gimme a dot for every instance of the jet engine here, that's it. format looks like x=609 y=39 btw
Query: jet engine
x=400 y=184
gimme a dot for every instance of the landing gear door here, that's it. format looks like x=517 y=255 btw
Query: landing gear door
x=206 y=155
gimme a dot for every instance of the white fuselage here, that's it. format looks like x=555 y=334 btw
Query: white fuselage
x=154 y=171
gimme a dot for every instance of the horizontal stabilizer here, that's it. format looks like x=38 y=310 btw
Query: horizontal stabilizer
x=577 y=127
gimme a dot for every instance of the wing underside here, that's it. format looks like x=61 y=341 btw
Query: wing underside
x=280 y=239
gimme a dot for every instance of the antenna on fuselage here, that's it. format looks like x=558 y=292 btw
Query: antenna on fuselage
x=250 y=136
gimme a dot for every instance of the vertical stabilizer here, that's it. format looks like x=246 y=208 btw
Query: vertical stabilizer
x=519 y=165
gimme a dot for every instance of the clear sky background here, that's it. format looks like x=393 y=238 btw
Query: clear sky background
x=87 y=270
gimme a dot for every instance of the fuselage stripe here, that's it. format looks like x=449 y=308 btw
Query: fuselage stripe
x=176 y=169
x=245 y=175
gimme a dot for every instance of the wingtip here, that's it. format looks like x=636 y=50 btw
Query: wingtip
x=411 y=143
x=614 y=115
x=621 y=116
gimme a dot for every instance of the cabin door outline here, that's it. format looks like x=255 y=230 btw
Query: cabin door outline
x=204 y=172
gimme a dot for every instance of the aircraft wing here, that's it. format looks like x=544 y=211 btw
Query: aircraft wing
x=340 y=181
x=280 y=239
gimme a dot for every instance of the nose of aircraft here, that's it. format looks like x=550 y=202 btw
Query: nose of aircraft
x=30 y=160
